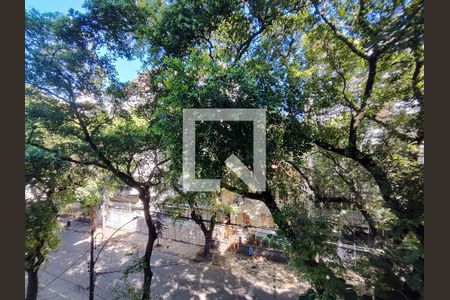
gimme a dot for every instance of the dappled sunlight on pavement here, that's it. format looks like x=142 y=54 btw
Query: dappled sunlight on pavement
x=178 y=273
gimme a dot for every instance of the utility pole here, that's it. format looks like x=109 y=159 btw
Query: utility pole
x=92 y=260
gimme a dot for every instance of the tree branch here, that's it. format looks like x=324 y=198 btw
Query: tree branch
x=360 y=114
x=67 y=158
x=340 y=36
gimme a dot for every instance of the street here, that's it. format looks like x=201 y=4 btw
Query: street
x=176 y=274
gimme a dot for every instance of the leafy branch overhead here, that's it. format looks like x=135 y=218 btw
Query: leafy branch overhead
x=342 y=84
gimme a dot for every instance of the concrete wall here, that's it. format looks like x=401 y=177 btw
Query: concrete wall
x=184 y=230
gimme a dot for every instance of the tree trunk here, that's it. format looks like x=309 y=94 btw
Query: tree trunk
x=33 y=283
x=208 y=242
x=206 y=232
x=148 y=274
x=34 y=262
x=209 y=236
x=144 y=196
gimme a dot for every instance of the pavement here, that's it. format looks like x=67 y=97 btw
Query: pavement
x=177 y=274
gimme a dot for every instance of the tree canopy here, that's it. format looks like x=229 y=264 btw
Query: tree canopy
x=342 y=84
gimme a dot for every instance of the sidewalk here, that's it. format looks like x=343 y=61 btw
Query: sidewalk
x=176 y=274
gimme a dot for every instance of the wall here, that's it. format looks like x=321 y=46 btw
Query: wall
x=184 y=230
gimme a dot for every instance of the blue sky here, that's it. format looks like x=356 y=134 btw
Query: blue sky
x=126 y=69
